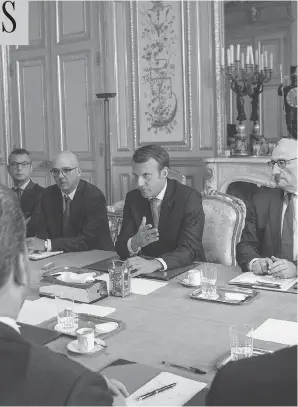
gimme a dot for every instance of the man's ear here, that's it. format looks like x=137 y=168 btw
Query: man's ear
x=21 y=276
x=165 y=172
x=79 y=171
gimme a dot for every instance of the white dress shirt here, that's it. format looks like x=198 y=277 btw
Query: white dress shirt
x=10 y=322
x=48 y=243
x=22 y=187
x=295 y=229
x=160 y=198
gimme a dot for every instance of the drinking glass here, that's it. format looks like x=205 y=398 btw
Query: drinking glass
x=65 y=312
x=208 y=281
x=241 y=341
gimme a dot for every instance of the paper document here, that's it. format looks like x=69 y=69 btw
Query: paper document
x=43 y=309
x=251 y=278
x=42 y=255
x=139 y=286
x=178 y=395
x=276 y=330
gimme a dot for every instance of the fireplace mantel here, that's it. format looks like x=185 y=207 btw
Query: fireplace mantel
x=222 y=171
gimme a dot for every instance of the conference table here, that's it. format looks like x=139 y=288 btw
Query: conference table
x=167 y=324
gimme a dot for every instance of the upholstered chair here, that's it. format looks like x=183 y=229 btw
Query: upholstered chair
x=115 y=211
x=224 y=222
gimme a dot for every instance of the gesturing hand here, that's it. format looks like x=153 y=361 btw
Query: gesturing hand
x=261 y=266
x=281 y=268
x=145 y=235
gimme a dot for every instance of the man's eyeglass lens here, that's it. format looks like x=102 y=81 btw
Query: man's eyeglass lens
x=64 y=171
x=23 y=164
x=280 y=163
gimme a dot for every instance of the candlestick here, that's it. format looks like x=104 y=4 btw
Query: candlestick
x=242 y=60
x=271 y=61
x=281 y=76
x=256 y=57
x=222 y=56
x=228 y=57
x=247 y=55
x=266 y=59
x=262 y=62
x=252 y=56
x=259 y=51
x=238 y=52
x=232 y=53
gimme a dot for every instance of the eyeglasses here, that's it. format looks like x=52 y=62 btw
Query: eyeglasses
x=24 y=164
x=64 y=171
x=280 y=163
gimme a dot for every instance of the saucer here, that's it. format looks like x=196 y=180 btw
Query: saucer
x=67 y=331
x=106 y=327
x=73 y=347
x=186 y=283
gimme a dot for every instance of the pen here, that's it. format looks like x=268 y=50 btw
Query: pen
x=189 y=368
x=153 y=392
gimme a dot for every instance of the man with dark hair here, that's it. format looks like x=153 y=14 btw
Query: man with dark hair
x=162 y=218
x=32 y=375
x=73 y=212
x=28 y=193
x=269 y=239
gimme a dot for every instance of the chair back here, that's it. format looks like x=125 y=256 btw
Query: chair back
x=224 y=222
x=178 y=176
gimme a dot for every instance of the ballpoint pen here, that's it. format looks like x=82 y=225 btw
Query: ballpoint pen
x=156 y=391
x=188 y=368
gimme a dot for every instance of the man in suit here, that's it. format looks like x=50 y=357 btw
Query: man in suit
x=269 y=239
x=267 y=380
x=29 y=194
x=32 y=374
x=162 y=218
x=73 y=212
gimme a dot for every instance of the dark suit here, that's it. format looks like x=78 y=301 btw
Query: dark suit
x=261 y=236
x=181 y=225
x=30 y=205
x=33 y=375
x=268 y=380
x=88 y=226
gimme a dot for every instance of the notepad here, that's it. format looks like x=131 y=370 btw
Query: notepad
x=178 y=395
x=253 y=279
x=276 y=330
x=43 y=255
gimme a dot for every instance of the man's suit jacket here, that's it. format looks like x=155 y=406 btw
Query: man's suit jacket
x=181 y=225
x=30 y=205
x=267 y=380
x=261 y=236
x=32 y=375
x=88 y=226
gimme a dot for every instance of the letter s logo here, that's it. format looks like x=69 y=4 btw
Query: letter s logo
x=9 y=16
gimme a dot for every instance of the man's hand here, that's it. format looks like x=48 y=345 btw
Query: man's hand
x=118 y=390
x=281 y=268
x=145 y=235
x=261 y=266
x=35 y=244
x=137 y=266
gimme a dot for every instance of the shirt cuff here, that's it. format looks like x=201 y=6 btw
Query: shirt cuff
x=131 y=252
x=49 y=245
x=251 y=263
x=164 y=264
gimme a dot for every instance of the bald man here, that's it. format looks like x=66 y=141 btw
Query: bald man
x=73 y=212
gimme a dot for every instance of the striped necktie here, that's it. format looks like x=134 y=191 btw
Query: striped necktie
x=66 y=215
x=154 y=203
x=287 y=236
x=18 y=192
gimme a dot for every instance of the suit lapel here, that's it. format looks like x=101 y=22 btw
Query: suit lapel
x=76 y=204
x=275 y=222
x=57 y=208
x=166 y=206
x=27 y=198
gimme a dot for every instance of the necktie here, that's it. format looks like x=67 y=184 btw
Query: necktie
x=66 y=215
x=154 y=202
x=18 y=192
x=288 y=231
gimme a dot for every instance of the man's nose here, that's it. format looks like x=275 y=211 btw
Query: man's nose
x=275 y=169
x=140 y=182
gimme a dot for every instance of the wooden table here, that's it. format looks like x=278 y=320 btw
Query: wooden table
x=168 y=325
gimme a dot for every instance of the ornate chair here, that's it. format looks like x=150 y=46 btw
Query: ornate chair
x=115 y=211
x=224 y=222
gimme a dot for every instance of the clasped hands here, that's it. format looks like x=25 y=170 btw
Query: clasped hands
x=278 y=268
x=145 y=236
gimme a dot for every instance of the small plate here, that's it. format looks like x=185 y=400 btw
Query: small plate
x=186 y=283
x=73 y=347
x=67 y=331
x=106 y=327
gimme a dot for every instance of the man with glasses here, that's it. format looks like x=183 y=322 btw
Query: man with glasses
x=28 y=193
x=73 y=212
x=269 y=239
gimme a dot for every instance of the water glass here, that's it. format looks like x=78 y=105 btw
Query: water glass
x=65 y=312
x=241 y=341
x=208 y=282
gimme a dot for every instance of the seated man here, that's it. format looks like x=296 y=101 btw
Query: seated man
x=269 y=238
x=267 y=380
x=33 y=375
x=28 y=193
x=73 y=212
x=162 y=218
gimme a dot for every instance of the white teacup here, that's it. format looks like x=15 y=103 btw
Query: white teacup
x=85 y=339
x=194 y=277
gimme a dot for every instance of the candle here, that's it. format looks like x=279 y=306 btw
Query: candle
x=259 y=51
x=251 y=56
x=232 y=53
x=256 y=57
x=242 y=60
x=238 y=52
x=247 y=55
x=228 y=57
x=222 y=56
x=262 y=62
x=280 y=70
x=271 y=61
x=266 y=59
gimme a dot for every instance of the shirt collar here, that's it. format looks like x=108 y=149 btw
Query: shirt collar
x=161 y=195
x=71 y=195
x=23 y=186
x=10 y=322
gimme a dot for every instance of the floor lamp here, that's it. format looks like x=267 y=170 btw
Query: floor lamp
x=107 y=143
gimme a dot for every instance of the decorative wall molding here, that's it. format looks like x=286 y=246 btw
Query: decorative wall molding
x=174 y=161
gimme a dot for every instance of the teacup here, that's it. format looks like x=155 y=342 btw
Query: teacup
x=85 y=338
x=194 y=277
